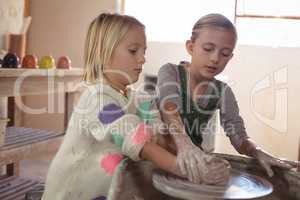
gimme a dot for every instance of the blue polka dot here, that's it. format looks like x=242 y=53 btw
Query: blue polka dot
x=100 y=198
x=110 y=113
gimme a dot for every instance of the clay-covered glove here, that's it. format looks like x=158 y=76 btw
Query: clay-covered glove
x=197 y=166
x=266 y=160
x=219 y=171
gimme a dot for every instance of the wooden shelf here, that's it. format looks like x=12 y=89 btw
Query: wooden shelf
x=22 y=82
x=15 y=188
x=17 y=72
x=22 y=142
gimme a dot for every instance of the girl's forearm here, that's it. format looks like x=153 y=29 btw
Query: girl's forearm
x=248 y=148
x=176 y=128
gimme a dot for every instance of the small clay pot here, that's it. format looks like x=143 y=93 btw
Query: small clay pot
x=10 y=60
x=64 y=62
x=47 y=62
x=30 y=62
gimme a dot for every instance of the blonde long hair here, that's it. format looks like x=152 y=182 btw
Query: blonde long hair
x=104 y=34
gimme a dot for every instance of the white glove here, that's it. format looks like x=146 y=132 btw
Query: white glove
x=266 y=160
x=199 y=167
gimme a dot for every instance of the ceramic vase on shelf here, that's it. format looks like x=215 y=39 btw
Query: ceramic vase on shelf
x=47 y=62
x=30 y=62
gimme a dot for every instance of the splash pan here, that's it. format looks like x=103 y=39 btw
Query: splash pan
x=241 y=185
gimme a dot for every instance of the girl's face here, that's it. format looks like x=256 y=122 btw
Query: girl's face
x=210 y=52
x=128 y=57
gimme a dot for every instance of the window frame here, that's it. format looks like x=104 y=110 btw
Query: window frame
x=236 y=15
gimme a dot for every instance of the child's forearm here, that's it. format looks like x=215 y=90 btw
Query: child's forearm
x=176 y=128
x=160 y=157
x=248 y=148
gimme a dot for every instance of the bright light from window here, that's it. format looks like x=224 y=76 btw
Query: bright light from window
x=170 y=20
x=269 y=7
x=269 y=32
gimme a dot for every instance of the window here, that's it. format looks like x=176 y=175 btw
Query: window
x=259 y=22
x=268 y=7
x=172 y=21
x=268 y=23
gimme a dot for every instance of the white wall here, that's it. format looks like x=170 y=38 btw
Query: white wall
x=272 y=119
x=264 y=122
x=59 y=27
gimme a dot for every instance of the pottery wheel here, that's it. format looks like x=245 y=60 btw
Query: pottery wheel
x=240 y=186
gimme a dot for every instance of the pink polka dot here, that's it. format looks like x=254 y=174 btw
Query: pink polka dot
x=141 y=135
x=110 y=162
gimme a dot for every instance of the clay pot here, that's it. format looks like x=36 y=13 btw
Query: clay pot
x=10 y=60
x=30 y=61
x=47 y=62
x=64 y=62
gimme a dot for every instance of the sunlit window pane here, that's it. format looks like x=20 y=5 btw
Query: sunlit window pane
x=268 y=32
x=268 y=7
x=170 y=20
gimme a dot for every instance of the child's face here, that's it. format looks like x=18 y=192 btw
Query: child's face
x=128 y=57
x=211 y=51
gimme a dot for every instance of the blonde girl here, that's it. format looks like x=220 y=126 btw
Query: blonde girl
x=110 y=124
x=189 y=95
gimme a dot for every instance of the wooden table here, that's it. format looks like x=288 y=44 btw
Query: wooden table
x=21 y=142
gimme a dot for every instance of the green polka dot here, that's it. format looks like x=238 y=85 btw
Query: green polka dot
x=144 y=111
x=123 y=163
x=118 y=139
